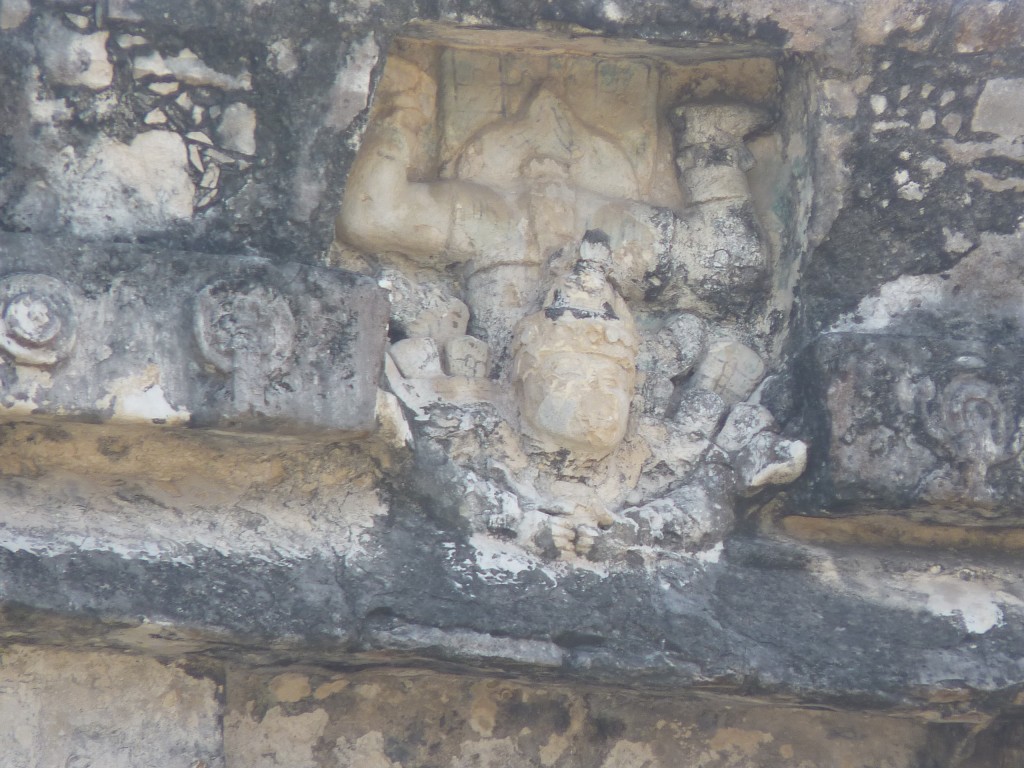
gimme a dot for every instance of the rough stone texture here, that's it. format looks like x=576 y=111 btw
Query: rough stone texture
x=105 y=333
x=374 y=720
x=85 y=709
x=921 y=421
x=877 y=244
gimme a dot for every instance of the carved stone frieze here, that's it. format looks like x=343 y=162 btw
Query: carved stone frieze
x=914 y=401
x=700 y=380
x=177 y=338
x=929 y=424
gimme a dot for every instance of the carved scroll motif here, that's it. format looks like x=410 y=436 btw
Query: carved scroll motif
x=171 y=338
x=247 y=331
x=37 y=319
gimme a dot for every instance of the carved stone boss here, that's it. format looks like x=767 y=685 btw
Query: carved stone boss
x=113 y=333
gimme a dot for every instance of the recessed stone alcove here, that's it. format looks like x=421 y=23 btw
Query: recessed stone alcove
x=583 y=245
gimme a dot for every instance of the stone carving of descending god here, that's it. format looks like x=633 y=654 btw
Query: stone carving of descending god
x=576 y=280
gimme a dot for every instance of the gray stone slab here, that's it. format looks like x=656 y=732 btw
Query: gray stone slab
x=105 y=332
x=762 y=620
x=921 y=421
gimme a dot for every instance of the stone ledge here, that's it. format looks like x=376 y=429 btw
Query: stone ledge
x=770 y=619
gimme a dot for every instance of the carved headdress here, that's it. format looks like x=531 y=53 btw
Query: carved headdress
x=582 y=313
x=574 y=361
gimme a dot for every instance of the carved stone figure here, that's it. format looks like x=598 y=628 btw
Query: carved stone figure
x=575 y=360
x=613 y=268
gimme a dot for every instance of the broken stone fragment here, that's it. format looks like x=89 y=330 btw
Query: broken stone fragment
x=188 y=68
x=421 y=308
x=685 y=336
x=149 y=65
x=770 y=460
x=694 y=517
x=731 y=369
x=466 y=356
x=78 y=20
x=163 y=88
x=71 y=58
x=417 y=358
x=700 y=412
x=668 y=357
x=391 y=423
x=130 y=41
x=237 y=128
x=745 y=421
x=655 y=392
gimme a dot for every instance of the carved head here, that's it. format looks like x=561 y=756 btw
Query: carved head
x=574 y=361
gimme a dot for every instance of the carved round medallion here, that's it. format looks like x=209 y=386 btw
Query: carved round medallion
x=37 y=320
x=236 y=321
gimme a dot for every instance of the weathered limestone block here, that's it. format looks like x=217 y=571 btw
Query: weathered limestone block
x=116 y=333
x=413 y=719
x=745 y=420
x=466 y=356
x=770 y=460
x=731 y=369
x=925 y=423
x=74 y=709
x=417 y=358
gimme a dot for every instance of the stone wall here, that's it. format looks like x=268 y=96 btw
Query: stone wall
x=511 y=383
x=92 y=708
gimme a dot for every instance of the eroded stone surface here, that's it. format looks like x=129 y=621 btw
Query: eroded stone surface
x=594 y=265
x=83 y=709
x=915 y=397
x=888 y=165
x=998 y=109
x=373 y=720
x=71 y=58
x=109 y=333
x=923 y=421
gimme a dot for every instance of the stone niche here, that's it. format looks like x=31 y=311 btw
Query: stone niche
x=579 y=239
